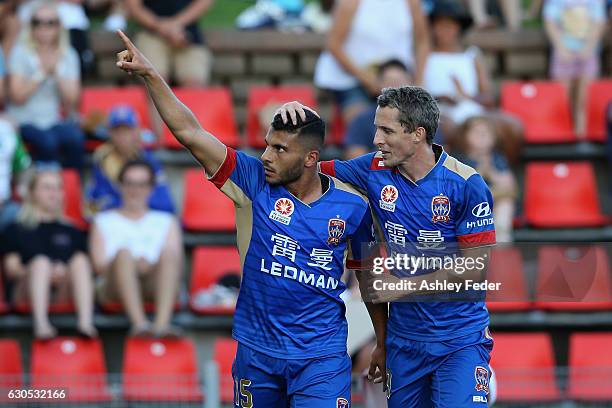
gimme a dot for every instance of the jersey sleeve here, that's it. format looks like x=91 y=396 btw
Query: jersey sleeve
x=241 y=177
x=362 y=244
x=354 y=171
x=474 y=225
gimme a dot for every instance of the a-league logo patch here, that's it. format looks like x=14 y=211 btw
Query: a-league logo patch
x=440 y=208
x=482 y=377
x=283 y=208
x=342 y=403
x=388 y=196
x=335 y=228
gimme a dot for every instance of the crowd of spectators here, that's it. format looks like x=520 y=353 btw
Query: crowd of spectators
x=135 y=243
x=134 y=253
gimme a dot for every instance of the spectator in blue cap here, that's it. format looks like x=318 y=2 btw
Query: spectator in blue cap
x=124 y=145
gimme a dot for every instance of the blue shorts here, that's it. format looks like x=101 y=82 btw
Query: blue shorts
x=352 y=96
x=264 y=381
x=447 y=374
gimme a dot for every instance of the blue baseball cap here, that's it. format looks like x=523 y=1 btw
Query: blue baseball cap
x=122 y=115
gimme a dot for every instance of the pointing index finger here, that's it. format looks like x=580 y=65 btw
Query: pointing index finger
x=128 y=43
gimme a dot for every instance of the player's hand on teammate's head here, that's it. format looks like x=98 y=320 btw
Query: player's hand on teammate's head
x=131 y=60
x=290 y=110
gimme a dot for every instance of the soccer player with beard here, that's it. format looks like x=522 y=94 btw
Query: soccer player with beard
x=435 y=353
x=295 y=228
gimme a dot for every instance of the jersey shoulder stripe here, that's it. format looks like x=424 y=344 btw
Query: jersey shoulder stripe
x=461 y=169
x=349 y=188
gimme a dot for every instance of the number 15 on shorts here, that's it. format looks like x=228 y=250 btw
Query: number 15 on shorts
x=242 y=396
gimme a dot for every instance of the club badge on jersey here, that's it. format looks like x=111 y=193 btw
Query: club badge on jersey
x=388 y=196
x=481 y=375
x=283 y=208
x=335 y=228
x=440 y=208
x=342 y=403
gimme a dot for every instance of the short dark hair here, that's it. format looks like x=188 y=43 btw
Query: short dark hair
x=311 y=130
x=392 y=63
x=416 y=108
x=137 y=163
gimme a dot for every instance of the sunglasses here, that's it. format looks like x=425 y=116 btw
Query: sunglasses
x=36 y=22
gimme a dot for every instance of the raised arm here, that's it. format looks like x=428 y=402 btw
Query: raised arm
x=206 y=148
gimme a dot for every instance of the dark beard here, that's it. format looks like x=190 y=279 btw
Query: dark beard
x=290 y=176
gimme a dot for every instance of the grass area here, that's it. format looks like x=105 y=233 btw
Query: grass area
x=223 y=13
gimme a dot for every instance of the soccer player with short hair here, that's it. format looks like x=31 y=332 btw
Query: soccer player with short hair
x=295 y=228
x=437 y=352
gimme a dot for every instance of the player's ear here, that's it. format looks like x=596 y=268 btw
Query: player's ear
x=312 y=158
x=419 y=135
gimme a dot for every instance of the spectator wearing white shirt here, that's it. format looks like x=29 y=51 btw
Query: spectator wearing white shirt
x=138 y=254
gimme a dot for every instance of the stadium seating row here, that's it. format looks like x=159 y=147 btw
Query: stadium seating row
x=569 y=278
x=164 y=370
x=542 y=106
x=545 y=110
x=557 y=195
x=209 y=265
x=153 y=370
x=531 y=376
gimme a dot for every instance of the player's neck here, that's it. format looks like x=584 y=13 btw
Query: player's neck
x=419 y=164
x=307 y=188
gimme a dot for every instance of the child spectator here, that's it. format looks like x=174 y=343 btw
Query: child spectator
x=45 y=257
x=138 y=254
x=124 y=145
x=458 y=78
x=575 y=29
x=44 y=80
x=172 y=39
x=478 y=147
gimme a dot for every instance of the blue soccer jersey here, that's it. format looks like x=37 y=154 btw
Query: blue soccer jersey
x=293 y=256
x=450 y=207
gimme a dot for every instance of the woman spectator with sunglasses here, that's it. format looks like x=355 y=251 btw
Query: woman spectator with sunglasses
x=44 y=81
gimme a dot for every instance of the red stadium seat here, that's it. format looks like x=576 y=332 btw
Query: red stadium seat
x=562 y=195
x=205 y=208
x=524 y=365
x=160 y=370
x=213 y=108
x=103 y=98
x=506 y=267
x=11 y=370
x=70 y=363
x=598 y=98
x=223 y=353
x=337 y=128
x=590 y=367
x=73 y=209
x=544 y=109
x=209 y=265
x=573 y=278
x=266 y=96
